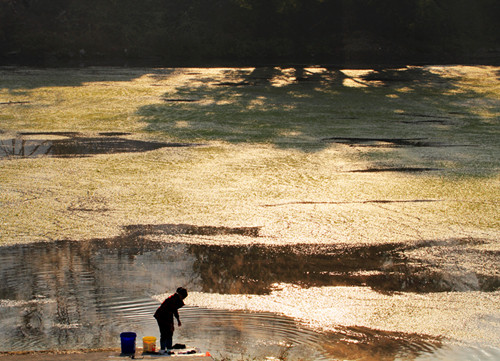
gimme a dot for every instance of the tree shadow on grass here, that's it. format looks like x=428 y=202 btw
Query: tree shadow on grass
x=300 y=108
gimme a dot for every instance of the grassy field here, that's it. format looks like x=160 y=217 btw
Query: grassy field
x=309 y=155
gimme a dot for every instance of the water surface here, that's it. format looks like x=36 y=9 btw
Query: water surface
x=82 y=294
x=72 y=144
x=67 y=294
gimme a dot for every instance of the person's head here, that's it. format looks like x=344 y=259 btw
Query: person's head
x=182 y=292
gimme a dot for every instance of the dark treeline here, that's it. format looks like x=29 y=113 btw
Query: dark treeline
x=244 y=32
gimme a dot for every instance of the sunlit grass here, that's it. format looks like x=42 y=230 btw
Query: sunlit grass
x=264 y=160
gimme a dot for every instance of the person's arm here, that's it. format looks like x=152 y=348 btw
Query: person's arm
x=176 y=314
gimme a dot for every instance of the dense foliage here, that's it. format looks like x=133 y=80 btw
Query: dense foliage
x=247 y=31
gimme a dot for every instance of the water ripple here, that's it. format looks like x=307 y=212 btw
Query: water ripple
x=66 y=295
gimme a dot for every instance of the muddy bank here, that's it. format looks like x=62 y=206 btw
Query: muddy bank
x=83 y=355
x=77 y=355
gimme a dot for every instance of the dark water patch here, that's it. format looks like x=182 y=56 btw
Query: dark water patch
x=75 y=146
x=96 y=209
x=396 y=169
x=383 y=201
x=69 y=294
x=61 y=134
x=190 y=229
x=381 y=142
x=235 y=84
x=426 y=115
x=390 y=142
x=114 y=134
x=14 y=102
x=431 y=121
x=180 y=100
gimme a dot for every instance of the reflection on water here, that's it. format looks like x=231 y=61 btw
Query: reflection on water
x=69 y=294
x=234 y=269
x=74 y=145
x=253 y=269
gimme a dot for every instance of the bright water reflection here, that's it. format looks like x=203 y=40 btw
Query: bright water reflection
x=67 y=294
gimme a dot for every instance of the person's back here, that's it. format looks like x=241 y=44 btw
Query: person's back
x=169 y=306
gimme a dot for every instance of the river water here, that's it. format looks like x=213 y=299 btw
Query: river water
x=312 y=214
x=322 y=302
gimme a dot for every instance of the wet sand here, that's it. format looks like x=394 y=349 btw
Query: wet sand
x=90 y=355
x=61 y=356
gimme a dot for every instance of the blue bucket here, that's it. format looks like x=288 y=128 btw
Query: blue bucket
x=128 y=342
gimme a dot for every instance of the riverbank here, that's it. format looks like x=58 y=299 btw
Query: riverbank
x=76 y=355
x=92 y=355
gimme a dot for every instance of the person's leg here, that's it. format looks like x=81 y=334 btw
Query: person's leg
x=166 y=334
x=168 y=340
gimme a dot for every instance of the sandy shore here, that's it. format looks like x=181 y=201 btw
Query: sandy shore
x=89 y=355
